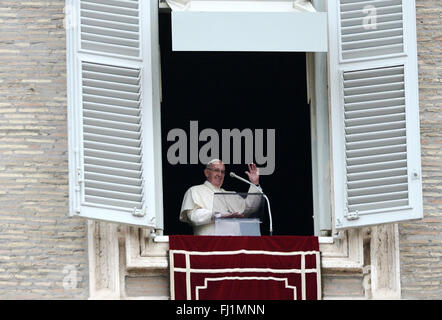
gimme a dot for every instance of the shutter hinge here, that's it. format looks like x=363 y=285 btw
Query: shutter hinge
x=80 y=179
x=352 y=215
x=139 y=212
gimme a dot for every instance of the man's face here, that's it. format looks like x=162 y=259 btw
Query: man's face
x=215 y=175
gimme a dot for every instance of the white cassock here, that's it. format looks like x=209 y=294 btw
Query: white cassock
x=199 y=205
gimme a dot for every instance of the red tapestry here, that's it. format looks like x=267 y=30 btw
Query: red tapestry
x=244 y=268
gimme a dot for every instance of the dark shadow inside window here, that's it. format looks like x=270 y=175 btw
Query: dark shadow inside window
x=227 y=90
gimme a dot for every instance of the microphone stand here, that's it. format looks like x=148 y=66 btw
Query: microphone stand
x=233 y=175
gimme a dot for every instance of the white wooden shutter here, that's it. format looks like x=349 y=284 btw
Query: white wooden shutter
x=374 y=112
x=113 y=101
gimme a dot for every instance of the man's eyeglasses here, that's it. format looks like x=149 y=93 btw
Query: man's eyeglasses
x=217 y=170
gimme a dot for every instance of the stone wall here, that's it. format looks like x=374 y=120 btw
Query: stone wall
x=421 y=241
x=43 y=254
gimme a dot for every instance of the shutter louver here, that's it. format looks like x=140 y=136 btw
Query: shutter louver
x=112 y=136
x=371 y=28
x=110 y=26
x=375 y=131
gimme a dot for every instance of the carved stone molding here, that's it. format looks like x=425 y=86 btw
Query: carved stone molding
x=142 y=252
x=385 y=262
x=103 y=254
x=344 y=254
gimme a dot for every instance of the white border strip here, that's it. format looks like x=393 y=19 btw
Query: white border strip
x=318 y=277
x=188 y=287
x=303 y=277
x=244 y=251
x=232 y=270
x=206 y=280
x=172 y=276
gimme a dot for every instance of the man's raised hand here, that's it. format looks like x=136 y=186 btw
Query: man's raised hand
x=253 y=173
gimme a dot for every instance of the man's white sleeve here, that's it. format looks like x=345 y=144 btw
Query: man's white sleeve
x=200 y=216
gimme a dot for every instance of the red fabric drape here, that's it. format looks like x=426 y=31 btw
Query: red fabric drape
x=244 y=268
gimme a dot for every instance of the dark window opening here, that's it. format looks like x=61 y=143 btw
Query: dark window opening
x=227 y=90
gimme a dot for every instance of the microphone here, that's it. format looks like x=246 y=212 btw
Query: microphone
x=233 y=175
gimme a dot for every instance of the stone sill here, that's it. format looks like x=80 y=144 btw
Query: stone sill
x=322 y=240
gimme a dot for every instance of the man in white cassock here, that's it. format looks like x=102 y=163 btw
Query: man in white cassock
x=198 y=203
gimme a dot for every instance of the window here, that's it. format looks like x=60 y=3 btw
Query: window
x=262 y=95
x=115 y=123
